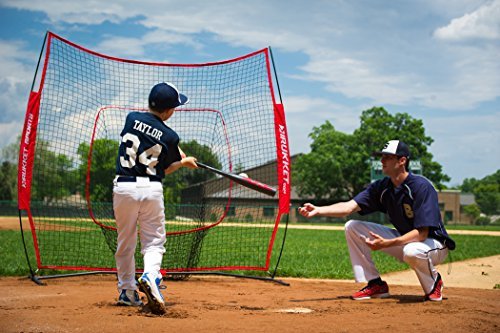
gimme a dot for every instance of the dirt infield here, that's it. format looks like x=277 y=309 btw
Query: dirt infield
x=225 y=304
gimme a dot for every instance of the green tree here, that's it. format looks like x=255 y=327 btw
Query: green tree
x=338 y=165
x=238 y=167
x=488 y=198
x=379 y=126
x=8 y=170
x=468 y=185
x=10 y=153
x=473 y=211
x=204 y=154
x=102 y=169
x=52 y=174
x=325 y=172
x=486 y=192
x=8 y=181
x=174 y=183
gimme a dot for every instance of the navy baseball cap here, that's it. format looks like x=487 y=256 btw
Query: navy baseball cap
x=166 y=96
x=394 y=147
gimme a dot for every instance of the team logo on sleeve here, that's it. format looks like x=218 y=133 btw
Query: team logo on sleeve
x=408 y=211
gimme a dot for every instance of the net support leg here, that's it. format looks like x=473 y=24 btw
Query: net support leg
x=282 y=247
x=57 y=276
x=36 y=279
x=31 y=275
x=261 y=278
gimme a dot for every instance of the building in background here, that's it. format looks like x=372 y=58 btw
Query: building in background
x=451 y=205
x=254 y=206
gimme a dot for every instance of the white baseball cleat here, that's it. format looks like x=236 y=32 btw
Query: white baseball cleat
x=150 y=288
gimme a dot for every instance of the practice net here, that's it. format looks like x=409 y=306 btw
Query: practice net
x=69 y=147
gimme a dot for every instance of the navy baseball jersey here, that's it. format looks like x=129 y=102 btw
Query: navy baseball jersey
x=148 y=146
x=412 y=205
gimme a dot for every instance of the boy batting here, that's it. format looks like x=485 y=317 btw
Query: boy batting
x=148 y=150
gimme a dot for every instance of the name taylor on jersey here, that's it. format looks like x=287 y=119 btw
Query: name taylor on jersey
x=147 y=129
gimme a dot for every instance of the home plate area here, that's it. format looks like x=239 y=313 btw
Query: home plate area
x=216 y=304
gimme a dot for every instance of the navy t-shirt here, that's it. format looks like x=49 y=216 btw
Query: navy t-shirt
x=414 y=204
x=148 y=146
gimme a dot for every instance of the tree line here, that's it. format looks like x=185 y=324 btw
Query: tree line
x=336 y=168
x=56 y=176
x=338 y=165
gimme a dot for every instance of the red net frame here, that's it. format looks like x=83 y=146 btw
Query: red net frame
x=57 y=222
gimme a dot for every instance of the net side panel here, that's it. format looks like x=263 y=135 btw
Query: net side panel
x=211 y=222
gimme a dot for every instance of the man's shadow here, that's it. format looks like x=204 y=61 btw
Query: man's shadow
x=404 y=299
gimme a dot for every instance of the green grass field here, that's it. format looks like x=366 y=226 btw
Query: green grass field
x=489 y=227
x=324 y=254
x=307 y=253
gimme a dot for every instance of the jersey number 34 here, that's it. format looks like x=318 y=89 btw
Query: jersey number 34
x=148 y=158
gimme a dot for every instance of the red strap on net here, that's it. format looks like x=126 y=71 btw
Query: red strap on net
x=27 y=151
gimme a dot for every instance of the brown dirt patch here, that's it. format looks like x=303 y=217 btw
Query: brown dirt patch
x=12 y=223
x=214 y=304
x=481 y=273
x=222 y=304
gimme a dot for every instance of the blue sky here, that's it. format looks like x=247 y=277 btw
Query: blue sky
x=437 y=60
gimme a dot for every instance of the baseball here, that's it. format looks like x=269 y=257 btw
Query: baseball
x=244 y=175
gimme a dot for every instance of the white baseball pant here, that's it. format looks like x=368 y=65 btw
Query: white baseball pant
x=420 y=256
x=138 y=203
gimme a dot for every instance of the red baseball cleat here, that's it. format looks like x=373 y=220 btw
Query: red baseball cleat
x=436 y=294
x=372 y=291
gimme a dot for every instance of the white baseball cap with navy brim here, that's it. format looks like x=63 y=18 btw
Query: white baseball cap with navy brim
x=394 y=147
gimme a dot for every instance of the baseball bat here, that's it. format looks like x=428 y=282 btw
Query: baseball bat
x=247 y=182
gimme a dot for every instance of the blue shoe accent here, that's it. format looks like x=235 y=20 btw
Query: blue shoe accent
x=129 y=298
x=158 y=281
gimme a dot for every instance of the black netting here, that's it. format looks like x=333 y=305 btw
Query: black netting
x=229 y=124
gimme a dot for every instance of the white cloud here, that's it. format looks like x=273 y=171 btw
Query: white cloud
x=303 y=113
x=483 y=23
x=360 y=72
x=318 y=110
x=389 y=55
x=123 y=46
x=306 y=104
x=15 y=79
x=77 y=12
x=13 y=55
x=356 y=78
x=10 y=131
x=136 y=47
